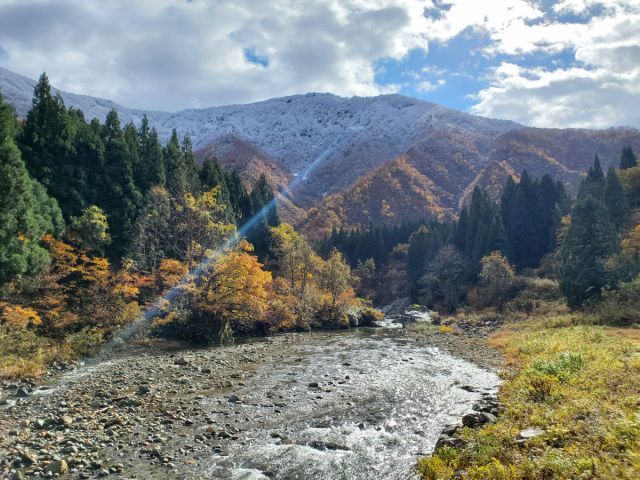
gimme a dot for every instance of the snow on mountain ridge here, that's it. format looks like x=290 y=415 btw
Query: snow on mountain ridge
x=296 y=131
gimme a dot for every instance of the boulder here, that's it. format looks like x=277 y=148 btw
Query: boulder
x=60 y=467
x=471 y=420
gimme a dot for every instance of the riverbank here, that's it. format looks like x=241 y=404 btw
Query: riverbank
x=294 y=404
x=570 y=405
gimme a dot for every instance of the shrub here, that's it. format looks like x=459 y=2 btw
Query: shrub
x=621 y=306
x=23 y=353
x=84 y=343
x=369 y=316
x=541 y=386
x=439 y=467
x=565 y=365
x=493 y=471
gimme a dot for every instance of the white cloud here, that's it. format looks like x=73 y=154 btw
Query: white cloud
x=169 y=54
x=428 y=86
x=601 y=89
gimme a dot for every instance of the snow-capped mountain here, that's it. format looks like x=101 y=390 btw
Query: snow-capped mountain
x=332 y=150
x=307 y=135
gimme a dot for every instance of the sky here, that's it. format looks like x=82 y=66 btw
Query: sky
x=565 y=63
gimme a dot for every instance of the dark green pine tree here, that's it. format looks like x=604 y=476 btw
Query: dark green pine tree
x=525 y=249
x=89 y=151
x=192 y=168
x=424 y=244
x=594 y=183
x=122 y=199
x=153 y=158
x=628 y=159
x=590 y=239
x=485 y=232
x=616 y=201
x=547 y=213
x=26 y=211
x=175 y=167
x=265 y=215
x=47 y=146
x=134 y=148
x=148 y=170
x=459 y=236
x=238 y=197
x=507 y=200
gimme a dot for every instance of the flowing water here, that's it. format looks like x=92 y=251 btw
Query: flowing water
x=380 y=402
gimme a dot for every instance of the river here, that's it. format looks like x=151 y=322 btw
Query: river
x=358 y=404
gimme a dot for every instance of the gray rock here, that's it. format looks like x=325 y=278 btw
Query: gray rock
x=60 y=467
x=529 y=433
x=486 y=417
x=24 y=391
x=448 y=441
x=471 y=420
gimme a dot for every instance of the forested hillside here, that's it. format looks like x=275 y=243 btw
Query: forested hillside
x=99 y=219
x=330 y=146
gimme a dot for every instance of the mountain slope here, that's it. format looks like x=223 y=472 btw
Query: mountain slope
x=392 y=193
x=320 y=149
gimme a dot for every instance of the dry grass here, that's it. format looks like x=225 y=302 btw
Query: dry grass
x=579 y=383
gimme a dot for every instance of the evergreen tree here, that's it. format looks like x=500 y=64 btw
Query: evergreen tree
x=459 y=239
x=89 y=151
x=192 y=169
x=594 y=182
x=26 y=211
x=176 y=169
x=47 y=144
x=590 y=239
x=212 y=175
x=524 y=240
x=265 y=215
x=485 y=231
x=615 y=200
x=238 y=197
x=122 y=199
x=628 y=159
x=424 y=244
x=149 y=170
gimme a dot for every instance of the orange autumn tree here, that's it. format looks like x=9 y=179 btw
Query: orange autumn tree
x=237 y=289
x=229 y=297
x=78 y=291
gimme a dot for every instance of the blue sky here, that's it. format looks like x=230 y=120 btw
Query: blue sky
x=539 y=62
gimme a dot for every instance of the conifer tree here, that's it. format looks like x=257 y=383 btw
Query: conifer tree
x=47 y=146
x=176 y=170
x=524 y=239
x=212 y=175
x=485 y=231
x=122 y=199
x=460 y=233
x=192 y=169
x=628 y=159
x=590 y=239
x=615 y=200
x=594 y=182
x=153 y=173
x=26 y=211
x=238 y=197
x=266 y=215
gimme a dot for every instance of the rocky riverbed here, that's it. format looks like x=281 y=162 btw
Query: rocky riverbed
x=354 y=404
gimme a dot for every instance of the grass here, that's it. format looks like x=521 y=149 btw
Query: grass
x=576 y=381
x=23 y=354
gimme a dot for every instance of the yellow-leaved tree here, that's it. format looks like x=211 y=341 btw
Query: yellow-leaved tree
x=200 y=224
